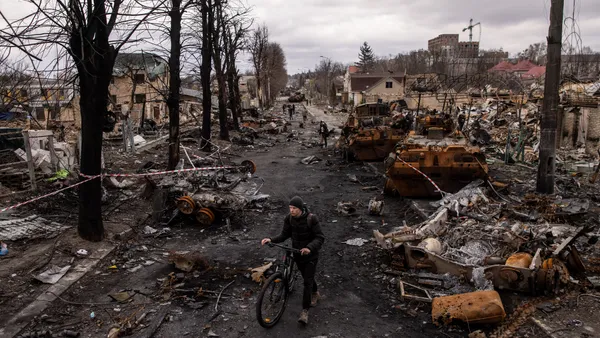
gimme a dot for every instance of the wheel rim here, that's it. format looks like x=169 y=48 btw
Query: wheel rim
x=249 y=166
x=205 y=216
x=186 y=205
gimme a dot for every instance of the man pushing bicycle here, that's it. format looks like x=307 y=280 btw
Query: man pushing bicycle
x=305 y=231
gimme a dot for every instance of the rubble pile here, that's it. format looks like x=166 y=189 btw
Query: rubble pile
x=536 y=245
x=500 y=127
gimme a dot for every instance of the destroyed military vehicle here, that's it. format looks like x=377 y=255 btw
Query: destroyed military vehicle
x=369 y=134
x=433 y=156
x=296 y=98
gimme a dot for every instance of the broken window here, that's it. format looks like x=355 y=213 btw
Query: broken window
x=140 y=98
x=140 y=78
x=388 y=84
x=39 y=113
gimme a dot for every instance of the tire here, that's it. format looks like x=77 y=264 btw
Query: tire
x=267 y=293
x=292 y=277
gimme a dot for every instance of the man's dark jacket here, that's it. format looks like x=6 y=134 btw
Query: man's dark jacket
x=305 y=233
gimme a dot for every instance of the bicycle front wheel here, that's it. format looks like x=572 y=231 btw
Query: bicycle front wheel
x=272 y=300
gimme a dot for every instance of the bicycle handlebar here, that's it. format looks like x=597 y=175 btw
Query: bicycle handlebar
x=287 y=248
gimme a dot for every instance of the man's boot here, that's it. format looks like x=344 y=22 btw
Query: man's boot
x=303 y=317
x=314 y=299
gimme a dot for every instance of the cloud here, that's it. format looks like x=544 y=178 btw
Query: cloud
x=310 y=28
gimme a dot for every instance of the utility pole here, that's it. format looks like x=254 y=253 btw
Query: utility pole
x=547 y=166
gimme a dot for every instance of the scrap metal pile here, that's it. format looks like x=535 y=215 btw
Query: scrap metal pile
x=437 y=153
x=211 y=195
x=370 y=133
x=479 y=240
x=505 y=127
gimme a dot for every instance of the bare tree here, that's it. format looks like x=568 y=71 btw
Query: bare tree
x=258 y=49
x=83 y=29
x=173 y=100
x=274 y=72
x=218 y=32
x=235 y=32
x=207 y=10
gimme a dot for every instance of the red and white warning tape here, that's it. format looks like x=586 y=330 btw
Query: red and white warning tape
x=91 y=177
x=48 y=195
x=163 y=172
x=420 y=172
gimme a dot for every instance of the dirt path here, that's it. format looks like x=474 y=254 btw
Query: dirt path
x=360 y=301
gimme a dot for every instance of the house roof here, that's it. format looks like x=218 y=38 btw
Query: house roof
x=523 y=66
x=535 y=72
x=191 y=92
x=502 y=66
x=361 y=82
x=153 y=64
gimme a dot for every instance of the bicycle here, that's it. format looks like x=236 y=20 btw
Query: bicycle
x=276 y=290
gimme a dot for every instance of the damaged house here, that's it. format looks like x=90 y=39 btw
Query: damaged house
x=140 y=85
x=371 y=87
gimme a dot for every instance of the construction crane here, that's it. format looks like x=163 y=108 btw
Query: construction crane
x=470 y=28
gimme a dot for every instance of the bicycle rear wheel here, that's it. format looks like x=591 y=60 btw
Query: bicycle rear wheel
x=272 y=300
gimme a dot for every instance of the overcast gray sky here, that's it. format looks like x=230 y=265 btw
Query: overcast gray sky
x=307 y=29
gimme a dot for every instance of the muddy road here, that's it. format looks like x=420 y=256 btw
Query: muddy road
x=359 y=300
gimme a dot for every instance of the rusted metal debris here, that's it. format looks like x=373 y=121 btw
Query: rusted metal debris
x=439 y=154
x=370 y=133
x=481 y=307
x=405 y=295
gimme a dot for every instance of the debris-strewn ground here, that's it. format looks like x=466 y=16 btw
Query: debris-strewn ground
x=165 y=275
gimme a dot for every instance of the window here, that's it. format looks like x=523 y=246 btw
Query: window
x=140 y=78
x=113 y=99
x=23 y=93
x=140 y=98
x=39 y=113
x=388 y=84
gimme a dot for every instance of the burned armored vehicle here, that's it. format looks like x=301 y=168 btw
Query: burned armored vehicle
x=370 y=133
x=433 y=157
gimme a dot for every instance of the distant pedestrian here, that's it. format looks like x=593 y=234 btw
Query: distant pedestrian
x=324 y=132
x=293 y=108
x=291 y=112
x=461 y=121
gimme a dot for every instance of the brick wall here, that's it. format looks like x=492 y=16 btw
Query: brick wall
x=593 y=132
x=571 y=122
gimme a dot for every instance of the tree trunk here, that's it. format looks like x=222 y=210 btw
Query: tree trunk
x=207 y=24
x=94 y=60
x=93 y=107
x=174 y=84
x=260 y=90
x=218 y=32
x=547 y=162
x=234 y=101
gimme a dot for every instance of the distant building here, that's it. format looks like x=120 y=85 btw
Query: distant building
x=371 y=87
x=520 y=68
x=140 y=85
x=448 y=45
